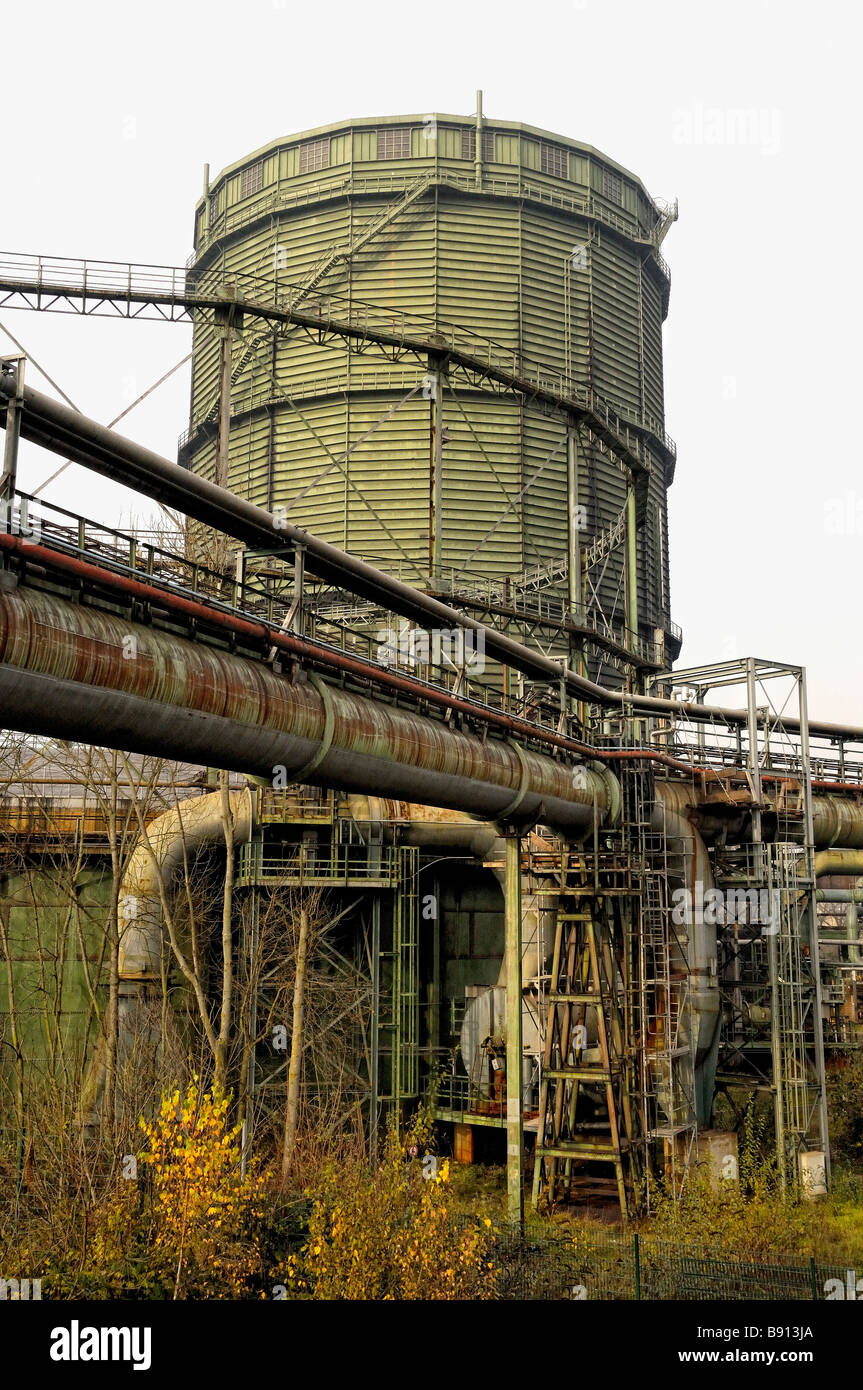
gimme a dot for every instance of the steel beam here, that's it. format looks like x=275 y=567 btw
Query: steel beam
x=512 y=962
x=47 y=423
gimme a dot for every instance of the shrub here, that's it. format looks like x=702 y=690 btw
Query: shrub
x=191 y=1225
x=749 y=1218
x=391 y=1233
x=204 y=1207
x=845 y=1104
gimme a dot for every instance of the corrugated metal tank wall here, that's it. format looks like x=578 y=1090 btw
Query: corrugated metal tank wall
x=498 y=262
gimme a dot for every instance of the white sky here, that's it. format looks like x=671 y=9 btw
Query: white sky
x=746 y=111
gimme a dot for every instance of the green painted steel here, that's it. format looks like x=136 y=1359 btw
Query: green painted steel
x=553 y=258
x=43 y=988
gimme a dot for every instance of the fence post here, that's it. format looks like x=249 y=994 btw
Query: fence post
x=813 y=1277
x=637 y=1251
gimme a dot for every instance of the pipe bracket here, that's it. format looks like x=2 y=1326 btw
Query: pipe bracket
x=522 y=786
x=329 y=728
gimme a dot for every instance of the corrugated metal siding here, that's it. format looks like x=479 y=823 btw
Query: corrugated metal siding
x=616 y=352
x=654 y=396
x=543 y=473
x=481 y=477
x=478 y=267
x=498 y=266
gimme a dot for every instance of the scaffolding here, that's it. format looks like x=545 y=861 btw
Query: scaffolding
x=331 y=855
x=770 y=974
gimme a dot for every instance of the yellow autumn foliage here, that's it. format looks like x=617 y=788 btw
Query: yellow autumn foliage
x=392 y=1233
x=203 y=1204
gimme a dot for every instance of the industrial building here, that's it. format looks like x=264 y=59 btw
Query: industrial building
x=588 y=892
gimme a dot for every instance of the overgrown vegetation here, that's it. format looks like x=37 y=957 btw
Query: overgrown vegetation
x=845 y=1103
x=391 y=1232
x=181 y=1217
x=187 y=1174
x=750 y=1218
x=187 y=1218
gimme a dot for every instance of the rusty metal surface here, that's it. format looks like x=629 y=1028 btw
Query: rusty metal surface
x=837 y=820
x=316 y=654
x=64 y=672
x=46 y=422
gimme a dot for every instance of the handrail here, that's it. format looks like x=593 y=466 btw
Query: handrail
x=107 y=282
x=498 y=186
x=132 y=553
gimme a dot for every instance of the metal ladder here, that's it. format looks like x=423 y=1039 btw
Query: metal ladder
x=663 y=1009
x=584 y=975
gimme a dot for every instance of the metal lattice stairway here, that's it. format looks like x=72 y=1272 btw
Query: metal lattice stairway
x=338 y=255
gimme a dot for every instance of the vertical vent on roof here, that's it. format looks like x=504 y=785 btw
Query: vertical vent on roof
x=612 y=187
x=394 y=142
x=314 y=155
x=553 y=160
x=252 y=180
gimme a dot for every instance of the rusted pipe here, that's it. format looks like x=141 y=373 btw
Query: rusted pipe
x=837 y=821
x=671 y=819
x=171 y=840
x=319 y=655
x=847 y=817
x=838 y=861
x=47 y=422
x=63 y=673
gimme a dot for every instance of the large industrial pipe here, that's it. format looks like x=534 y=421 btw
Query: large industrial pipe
x=670 y=817
x=838 y=861
x=170 y=842
x=53 y=426
x=148 y=883
x=80 y=673
x=837 y=821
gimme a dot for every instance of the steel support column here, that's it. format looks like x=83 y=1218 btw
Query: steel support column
x=514 y=1126
x=812 y=919
x=573 y=529
x=374 y=1064
x=9 y=475
x=225 y=354
x=434 y=387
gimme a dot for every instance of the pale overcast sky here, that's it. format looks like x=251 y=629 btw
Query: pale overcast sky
x=746 y=111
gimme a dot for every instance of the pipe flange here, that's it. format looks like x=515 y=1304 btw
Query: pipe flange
x=612 y=786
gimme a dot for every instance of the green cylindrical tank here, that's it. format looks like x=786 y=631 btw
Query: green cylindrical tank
x=543 y=248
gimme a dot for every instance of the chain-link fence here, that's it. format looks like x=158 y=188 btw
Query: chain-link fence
x=609 y=1264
